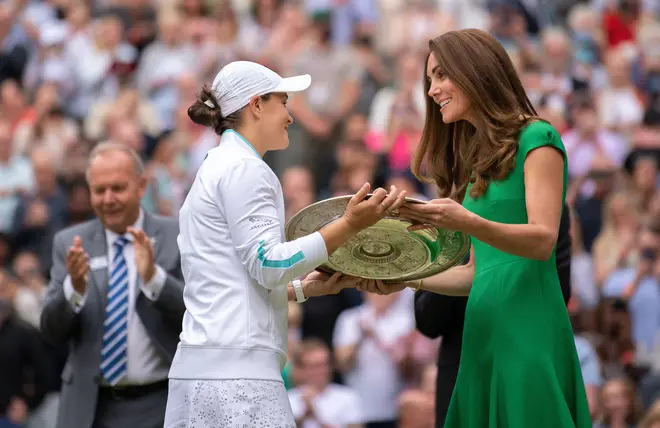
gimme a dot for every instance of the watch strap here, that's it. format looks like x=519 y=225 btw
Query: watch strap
x=298 y=289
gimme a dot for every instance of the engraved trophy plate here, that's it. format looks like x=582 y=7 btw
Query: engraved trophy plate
x=386 y=250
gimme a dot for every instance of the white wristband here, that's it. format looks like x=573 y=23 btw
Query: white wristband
x=298 y=289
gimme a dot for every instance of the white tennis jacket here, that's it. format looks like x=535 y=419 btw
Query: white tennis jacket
x=236 y=265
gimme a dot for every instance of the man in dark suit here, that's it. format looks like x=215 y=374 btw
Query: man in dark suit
x=438 y=315
x=116 y=297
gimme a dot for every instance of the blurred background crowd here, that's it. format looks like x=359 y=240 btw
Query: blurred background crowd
x=74 y=73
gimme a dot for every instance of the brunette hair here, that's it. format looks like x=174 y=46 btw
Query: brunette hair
x=203 y=114
x=454 y=154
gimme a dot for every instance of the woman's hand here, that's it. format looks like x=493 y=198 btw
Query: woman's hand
x=379 y=287
x=441 y=213
x=320 y=284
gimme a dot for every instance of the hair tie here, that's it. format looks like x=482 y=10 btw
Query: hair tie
x=209 y=103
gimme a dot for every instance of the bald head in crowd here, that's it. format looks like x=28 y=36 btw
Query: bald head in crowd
x=117 y=184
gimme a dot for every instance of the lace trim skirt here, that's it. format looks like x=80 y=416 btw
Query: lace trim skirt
x=235 y=403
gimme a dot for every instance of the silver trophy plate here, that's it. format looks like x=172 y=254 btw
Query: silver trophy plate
x=387 y=251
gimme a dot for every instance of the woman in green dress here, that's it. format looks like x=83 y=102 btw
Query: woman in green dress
x=484 y=146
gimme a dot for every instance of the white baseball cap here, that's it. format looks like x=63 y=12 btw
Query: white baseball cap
x=239 y=81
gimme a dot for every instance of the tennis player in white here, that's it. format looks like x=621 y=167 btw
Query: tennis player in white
x=239 y=271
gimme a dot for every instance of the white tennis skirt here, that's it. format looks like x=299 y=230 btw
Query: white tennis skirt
x=235 y=403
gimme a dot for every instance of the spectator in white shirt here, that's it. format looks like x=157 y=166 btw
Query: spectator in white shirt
x=94 y=55
x=162 y=63
x=368 y=345
x=316 y=402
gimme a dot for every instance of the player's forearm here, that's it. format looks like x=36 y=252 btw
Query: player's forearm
x=274 y=264
x=307 y=291
x=290 y=293
x=335 y=234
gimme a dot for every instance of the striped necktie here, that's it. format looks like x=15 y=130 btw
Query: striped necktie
x=114 y=356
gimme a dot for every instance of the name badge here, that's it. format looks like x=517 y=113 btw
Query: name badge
x=100 y=262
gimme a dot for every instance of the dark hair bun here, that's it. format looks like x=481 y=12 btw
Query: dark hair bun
x=201 y=113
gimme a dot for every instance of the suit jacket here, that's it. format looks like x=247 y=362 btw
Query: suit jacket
x=438 y=315
x=83 y=332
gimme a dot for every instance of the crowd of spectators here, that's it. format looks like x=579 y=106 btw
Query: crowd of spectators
x=74 y=73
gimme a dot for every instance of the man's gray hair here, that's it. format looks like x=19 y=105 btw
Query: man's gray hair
x=110 y=146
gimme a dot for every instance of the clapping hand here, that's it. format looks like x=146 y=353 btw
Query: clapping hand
x=309 y=394
x=144 y=254
x=442 y=213
x=366 y=329
x=77 y=265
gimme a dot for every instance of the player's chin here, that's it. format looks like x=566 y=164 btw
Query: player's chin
x=283 y=142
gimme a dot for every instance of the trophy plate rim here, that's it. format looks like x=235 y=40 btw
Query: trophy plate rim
x=427 y=244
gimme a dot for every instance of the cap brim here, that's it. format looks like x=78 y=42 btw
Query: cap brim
x=294 y=84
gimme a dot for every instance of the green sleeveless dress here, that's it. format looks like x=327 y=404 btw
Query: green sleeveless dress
x=519 y=367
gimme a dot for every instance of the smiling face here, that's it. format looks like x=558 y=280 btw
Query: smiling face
x=454 y=104
x=116 y=189
x=274 y=121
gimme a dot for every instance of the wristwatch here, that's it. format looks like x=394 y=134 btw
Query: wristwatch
x=298 y=289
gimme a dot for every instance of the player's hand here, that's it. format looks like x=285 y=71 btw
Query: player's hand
x=320 y=284
x=363 y=212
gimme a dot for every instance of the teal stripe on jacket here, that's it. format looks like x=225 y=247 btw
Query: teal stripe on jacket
x=278 y=264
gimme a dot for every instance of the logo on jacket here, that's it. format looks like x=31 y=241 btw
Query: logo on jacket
x=259 y=222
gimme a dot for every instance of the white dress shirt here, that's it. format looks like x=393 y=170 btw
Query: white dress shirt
x=375 y=376
x=145 y=365
x=336 y=406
